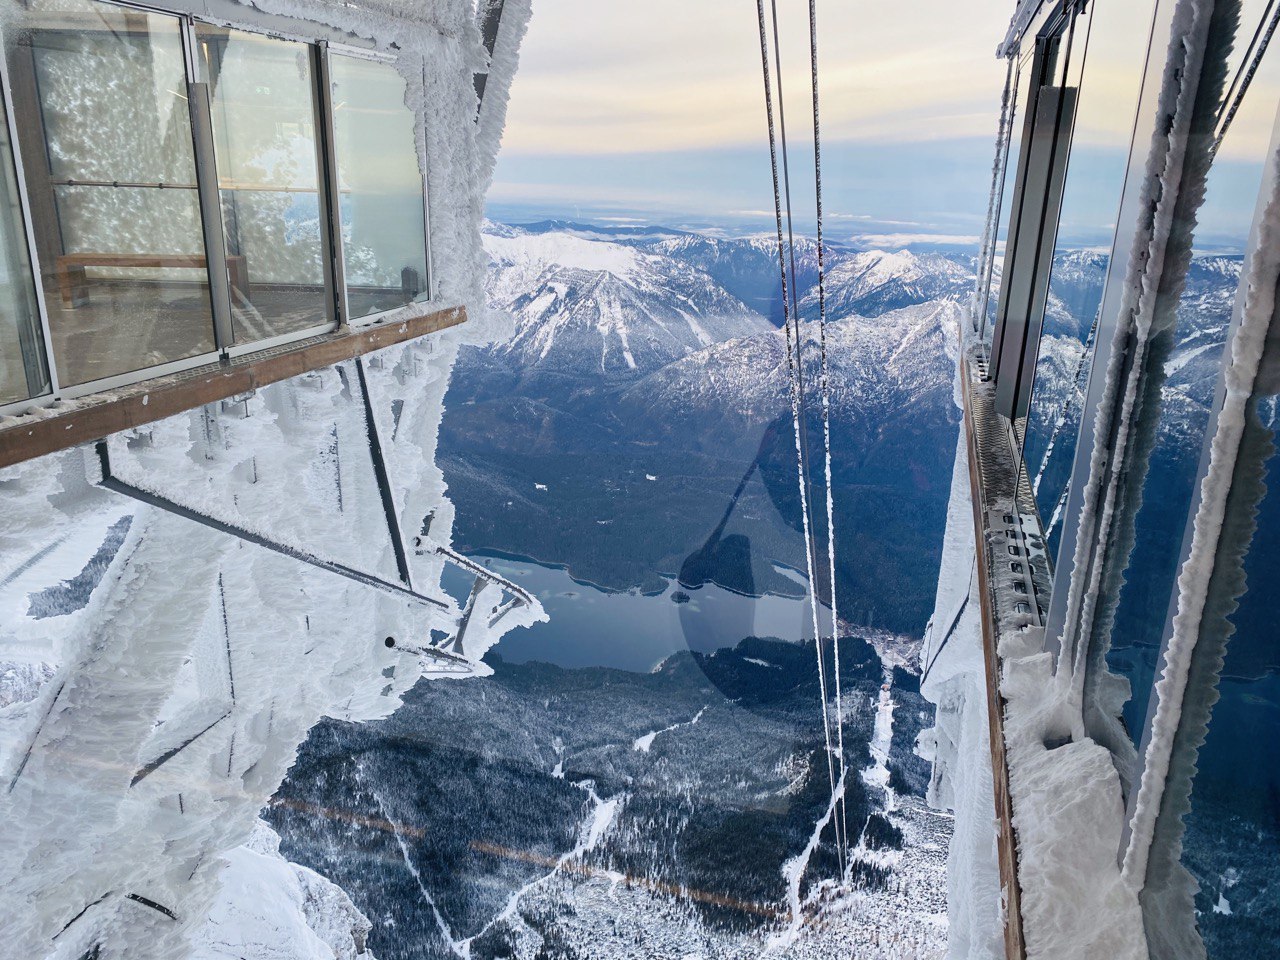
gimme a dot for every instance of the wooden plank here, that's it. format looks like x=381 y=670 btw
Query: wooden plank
x=100 y=415
x=1006 y=840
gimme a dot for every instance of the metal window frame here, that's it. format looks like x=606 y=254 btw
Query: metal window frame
x=200 y=102
x=326 y=192
x=1043 y=159
x=59 y=391
x=29 y=237
x=248 y=20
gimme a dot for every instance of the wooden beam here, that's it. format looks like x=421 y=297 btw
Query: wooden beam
x=1006 y=840
x=100 y=415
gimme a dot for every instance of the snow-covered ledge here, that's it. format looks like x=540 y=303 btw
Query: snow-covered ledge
x=1051 y=888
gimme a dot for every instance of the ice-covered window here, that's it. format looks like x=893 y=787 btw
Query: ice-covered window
x=193 y=190
x=1081 y=258
x=1177 y=402
x=383 y=216
x=264 y=124
x=111 y=174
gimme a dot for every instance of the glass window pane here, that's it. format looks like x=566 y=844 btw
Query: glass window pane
x=23 y=371
x=112 y=186
x=1187 y=355
x=1117 y=39
x=383 y=216
x=265 y=140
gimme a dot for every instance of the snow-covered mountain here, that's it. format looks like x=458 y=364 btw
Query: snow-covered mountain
x=631 y=355
x=871 y=282
x=748 y=267
x=599 y=309
x=902 y=359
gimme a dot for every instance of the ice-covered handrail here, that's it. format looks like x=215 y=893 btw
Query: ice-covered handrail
x=425 y=545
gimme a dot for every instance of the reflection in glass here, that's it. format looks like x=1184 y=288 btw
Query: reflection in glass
x=383 y=218
x=23 y=371
x=1210 y=876
x=112 y=187
x=1095 y=181
x=1186 y=353
x=265 y=141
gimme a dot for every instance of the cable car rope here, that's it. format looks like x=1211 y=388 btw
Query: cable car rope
x=987 y=257
x=793 y=358
x=1244 y=75
x=824 y=388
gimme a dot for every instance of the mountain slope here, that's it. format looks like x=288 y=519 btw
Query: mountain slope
x=598 y=310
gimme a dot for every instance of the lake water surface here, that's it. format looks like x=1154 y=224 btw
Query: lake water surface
x=590 y=627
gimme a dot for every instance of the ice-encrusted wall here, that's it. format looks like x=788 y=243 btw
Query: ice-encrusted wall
x=151 y=704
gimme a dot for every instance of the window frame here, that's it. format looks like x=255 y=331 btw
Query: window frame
x=328 y=51
x=1048 y=123
x=24 y=206
x=319 y=49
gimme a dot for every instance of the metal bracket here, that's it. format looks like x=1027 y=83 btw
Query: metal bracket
x=109 y=481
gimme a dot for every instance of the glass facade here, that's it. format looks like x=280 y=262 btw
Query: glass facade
x=264 y=125
x=1220 y=812
x=1211 y=861
x=1216 y=842
x=24 y=372
x=1117 y=39
x=380 y=181
x=150 y=139
x=113 y=187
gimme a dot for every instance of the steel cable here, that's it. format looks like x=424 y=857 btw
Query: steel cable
x=793 y=359
x=824 y=389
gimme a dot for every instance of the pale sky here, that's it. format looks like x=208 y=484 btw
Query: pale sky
x=658 y=106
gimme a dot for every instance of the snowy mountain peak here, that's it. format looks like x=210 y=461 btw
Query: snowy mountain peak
x=599 y=308
x=564 y=251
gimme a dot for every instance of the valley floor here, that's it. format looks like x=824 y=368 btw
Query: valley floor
x=589 y=814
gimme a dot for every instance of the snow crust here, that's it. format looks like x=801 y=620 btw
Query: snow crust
x=958 y=745
x=270 y=909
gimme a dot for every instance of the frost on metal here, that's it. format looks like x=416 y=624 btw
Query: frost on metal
x=1209 y=585
x=157 y=676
